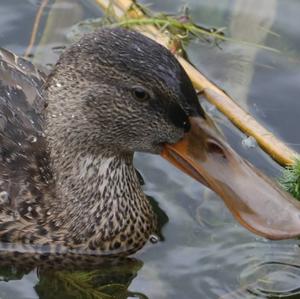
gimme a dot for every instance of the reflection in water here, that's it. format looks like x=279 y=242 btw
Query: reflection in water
x=71 y=276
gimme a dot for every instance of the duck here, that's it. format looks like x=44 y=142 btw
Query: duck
x=67 y=142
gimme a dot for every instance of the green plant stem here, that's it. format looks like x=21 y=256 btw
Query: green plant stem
x=188 y=27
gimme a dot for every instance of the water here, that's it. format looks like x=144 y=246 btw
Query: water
x=203 y=253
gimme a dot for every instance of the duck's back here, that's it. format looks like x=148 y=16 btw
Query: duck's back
x=23 y=159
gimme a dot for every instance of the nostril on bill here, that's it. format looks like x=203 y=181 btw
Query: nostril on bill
x=215 y=149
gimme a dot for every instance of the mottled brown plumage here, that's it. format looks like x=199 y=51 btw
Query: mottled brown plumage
x=66 y=146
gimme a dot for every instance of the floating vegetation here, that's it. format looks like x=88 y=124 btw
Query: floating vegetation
x=182 y=28
x=290 y=179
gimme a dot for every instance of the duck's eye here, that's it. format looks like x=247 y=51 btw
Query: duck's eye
x=140 y=94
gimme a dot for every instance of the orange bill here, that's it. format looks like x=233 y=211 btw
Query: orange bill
x=255 y=200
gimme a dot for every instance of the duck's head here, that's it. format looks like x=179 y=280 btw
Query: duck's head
x=129 y=93
x=116 y=91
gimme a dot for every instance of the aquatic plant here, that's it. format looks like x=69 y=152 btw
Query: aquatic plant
x=183 y=29
x=290 y=179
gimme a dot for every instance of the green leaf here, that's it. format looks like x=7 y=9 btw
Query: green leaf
x=290 y=179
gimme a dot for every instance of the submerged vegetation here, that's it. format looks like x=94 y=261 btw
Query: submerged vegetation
x=81 y=285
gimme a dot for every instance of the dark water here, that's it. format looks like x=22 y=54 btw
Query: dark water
x=205 y=254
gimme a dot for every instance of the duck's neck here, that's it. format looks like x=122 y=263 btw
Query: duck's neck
x=100 y=201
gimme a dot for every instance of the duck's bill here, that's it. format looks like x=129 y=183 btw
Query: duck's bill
x=256 y=201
